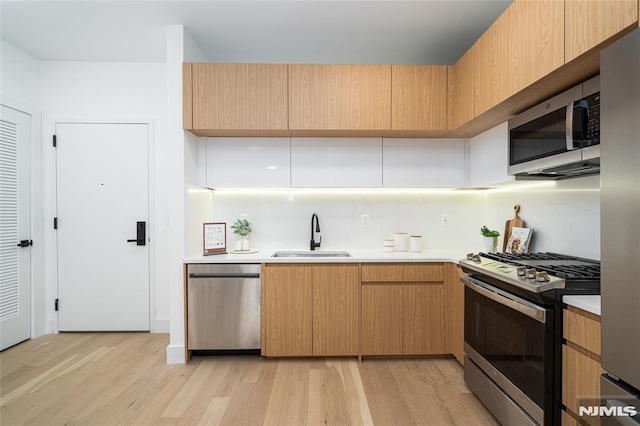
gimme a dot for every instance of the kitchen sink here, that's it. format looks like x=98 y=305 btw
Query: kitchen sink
x=310 y=253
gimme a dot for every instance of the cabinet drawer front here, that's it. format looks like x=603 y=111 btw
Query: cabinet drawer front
x=583 y=330
x=567 y=420
x=402 y=272
x=580 y=381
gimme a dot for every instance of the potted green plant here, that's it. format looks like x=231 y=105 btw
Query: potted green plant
x=242 y=228
x=490 y=239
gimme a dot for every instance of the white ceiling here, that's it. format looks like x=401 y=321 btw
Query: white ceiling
x=294 y=31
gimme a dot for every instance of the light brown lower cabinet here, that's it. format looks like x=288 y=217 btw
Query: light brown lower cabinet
x=330 y=310
x=403 y=319
x=381 y=319
x=335 y=310
x=581 y=368
x=310 y=310
x=287 y=292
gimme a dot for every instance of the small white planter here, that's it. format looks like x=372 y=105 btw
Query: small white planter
x=490 y=244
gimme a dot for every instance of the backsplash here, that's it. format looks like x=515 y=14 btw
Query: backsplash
x=565 y=216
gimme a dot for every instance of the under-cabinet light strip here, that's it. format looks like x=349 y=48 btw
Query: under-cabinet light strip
x=380 y=191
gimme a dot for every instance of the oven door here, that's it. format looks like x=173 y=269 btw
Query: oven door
x=511 y=341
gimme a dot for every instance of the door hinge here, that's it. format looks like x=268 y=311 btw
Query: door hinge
x=55 y=223
x=55 y=305
x=55 y=141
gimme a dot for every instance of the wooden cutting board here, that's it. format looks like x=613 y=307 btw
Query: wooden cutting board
x=516 y=222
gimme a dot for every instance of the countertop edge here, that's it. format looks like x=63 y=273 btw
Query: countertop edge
x=587 y=303
x=357 y=256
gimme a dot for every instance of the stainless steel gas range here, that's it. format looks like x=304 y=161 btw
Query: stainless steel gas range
x=513 y=330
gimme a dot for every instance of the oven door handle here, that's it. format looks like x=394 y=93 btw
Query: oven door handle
x=529 y=309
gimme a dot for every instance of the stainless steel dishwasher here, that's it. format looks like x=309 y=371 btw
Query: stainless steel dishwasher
x=223 y=306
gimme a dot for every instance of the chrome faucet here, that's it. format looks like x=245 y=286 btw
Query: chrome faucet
x=313 y=242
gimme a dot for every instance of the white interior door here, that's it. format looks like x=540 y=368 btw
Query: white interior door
x=15 y=226
x=102 y=194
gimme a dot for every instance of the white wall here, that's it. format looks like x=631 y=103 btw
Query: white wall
x=181 y=169
x=20 y=75
x=107 y=92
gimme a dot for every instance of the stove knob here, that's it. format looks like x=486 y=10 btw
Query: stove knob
x=531 y=274
x=542 y=277
x=476 y=258
x=470 y=256
x=521 y=270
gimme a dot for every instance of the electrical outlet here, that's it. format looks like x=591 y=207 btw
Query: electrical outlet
x=244 y=216
x=365 y=220
x=444 y=220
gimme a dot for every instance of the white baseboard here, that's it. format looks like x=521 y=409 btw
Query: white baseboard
x=48 y=327
x=160 y=325
x=175 y=354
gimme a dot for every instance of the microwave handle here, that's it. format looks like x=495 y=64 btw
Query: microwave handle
x=569 y=126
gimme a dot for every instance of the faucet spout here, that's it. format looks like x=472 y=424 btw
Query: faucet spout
x=313 y=243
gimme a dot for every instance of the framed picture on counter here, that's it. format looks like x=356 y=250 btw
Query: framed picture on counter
x=214 y=238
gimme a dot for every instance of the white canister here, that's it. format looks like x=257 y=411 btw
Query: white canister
x=401 y=241
x=415 y=243
x=388 y=246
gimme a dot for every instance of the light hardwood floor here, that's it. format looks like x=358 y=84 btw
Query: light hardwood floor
x=123 y=378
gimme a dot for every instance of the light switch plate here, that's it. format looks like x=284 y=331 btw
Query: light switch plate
x=444 y=220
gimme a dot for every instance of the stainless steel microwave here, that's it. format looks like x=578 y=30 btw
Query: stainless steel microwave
x=559 y=138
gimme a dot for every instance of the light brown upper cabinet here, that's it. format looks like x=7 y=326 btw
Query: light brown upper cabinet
x=232 y=97
x=419 y=97
x=339 y=97
x=524 y=44
x=590 y=22
x=461 y=92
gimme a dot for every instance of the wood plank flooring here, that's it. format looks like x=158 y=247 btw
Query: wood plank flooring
x=123 y=379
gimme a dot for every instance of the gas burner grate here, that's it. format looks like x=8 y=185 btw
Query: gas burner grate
x=559 y=265
x=528 y=256
x=574 y=272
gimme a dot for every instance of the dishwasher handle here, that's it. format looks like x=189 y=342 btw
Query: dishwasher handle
x=209 y=275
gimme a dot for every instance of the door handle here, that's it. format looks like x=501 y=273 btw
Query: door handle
x=141 y=234
x=25 y=243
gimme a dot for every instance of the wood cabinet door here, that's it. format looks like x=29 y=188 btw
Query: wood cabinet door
x=287 y=305
x=580 y=381
x=339 y=97
x=381 y=319
x=590 y=22
x=419 y=97
x=523 y=45
x=335 y=310
x=423 y=319
x=239 y=96
x=461 y=94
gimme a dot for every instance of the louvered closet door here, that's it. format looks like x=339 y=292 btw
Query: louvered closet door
x=15 y=218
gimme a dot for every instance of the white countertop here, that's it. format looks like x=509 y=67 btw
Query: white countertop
x=356 y=256
x=587 y=303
